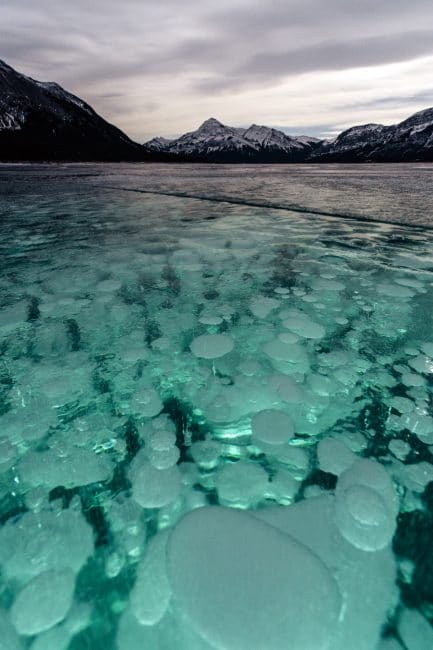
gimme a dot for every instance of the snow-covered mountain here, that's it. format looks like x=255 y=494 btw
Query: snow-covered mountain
x=216 y=142
x=42 y=121
x=408 y=141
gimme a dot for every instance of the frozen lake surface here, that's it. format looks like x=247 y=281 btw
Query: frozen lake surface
x=216 y=414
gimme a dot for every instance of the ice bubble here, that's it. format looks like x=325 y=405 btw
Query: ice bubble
x=43 y=602
x=108 y=286
x=402 y=404
x=162 y=440
x=304 y=326
x=164 y=458
x=205 y=453
x=259 y=587
x=151 y=593
x=283 y=487
x=417 y=475
x=334 y=456
x=262 y=306
x=420 y=424
x=71 y=468
x=321 y=385
x=37 y=542
x=59 y=637
x=371 y=473
x=210 y=319
x=415 y=631
x=412 y=379
x=422 y=364
x=272 y=427
x=295 y=458
x=281 y=290
x=212 y=346
x=288 y=337
x=366 y=505
x=287 y=357
x=241 y=484
x=399 y=448
x=154 y=488
x=146 y=402
x=427 y=348
x=365 y=580
x=287 y=389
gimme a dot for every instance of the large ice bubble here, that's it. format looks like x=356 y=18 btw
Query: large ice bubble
x=243 y=584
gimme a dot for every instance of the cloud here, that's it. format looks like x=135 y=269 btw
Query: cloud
x=158 y=66
x=271 y=66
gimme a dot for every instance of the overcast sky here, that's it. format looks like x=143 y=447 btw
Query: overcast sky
x=161 y=67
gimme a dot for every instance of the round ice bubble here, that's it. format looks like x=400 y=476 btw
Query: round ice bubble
x=262 y=306
x=363 y=518
x=286 y=388
x=272 y=427
x=212 y=346
x=334 y=456
x=422 y=364
x=162 y=440
x=241 y=484
x=366 y=505
x=151 y=593
x=155 y=488
x=243 y=584
x=288 y=337
x=427 y=348
x=420 y=424
x=146 y=402
x=43 y=602
x=305 y=327
x=164 y=458
x=205 y=453
x=399 y=448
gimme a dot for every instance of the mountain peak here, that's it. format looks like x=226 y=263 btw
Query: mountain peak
x=211 y=124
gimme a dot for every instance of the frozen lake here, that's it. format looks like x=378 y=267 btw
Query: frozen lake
x=216 y=407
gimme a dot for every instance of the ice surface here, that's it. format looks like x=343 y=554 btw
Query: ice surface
x=270 y=368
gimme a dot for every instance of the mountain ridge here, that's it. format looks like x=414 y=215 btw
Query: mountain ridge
x=41 y=121
x=408 y=141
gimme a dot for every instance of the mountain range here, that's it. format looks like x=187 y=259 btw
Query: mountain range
x=42 y=121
